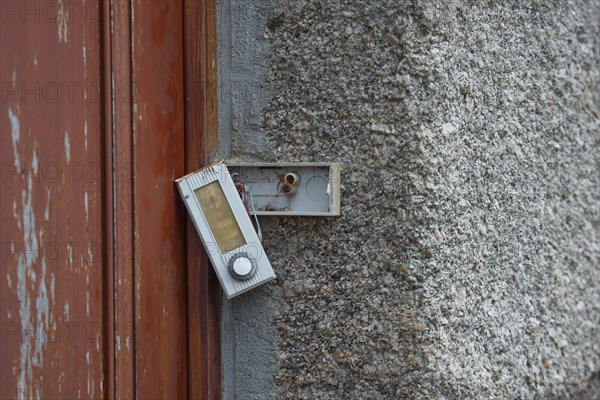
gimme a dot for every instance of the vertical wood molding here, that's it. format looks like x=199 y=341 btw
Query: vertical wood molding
x=120 y=206
x=144 y=219
x=204 y=292
x=159 y=214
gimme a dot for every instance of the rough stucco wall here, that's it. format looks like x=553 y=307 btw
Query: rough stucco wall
x=465 y=262
x=248 y=336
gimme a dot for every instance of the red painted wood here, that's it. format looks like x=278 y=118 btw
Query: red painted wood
x=51 y=201
x=129 y=306
x=120 y=288
x=204 y=291
x=159 y=159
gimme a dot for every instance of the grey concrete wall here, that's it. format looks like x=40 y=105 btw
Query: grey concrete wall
x=465 y=262
x=249 y=340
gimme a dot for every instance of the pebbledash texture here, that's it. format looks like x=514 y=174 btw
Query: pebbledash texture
x=465 y=263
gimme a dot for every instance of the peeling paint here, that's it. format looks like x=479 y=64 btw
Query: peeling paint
x=67 y=147
x=87 y=296
x=15 y=215
x=32 y=346
x=34 y=162
x=70 y=259
x=62 y=21
x=90 y=256
x=15 y=128
x=85 y=134
x=86 y=205
x=47 y=210
x=42 y=317
x=32 y=275
x=53 y=287
x=90 y=379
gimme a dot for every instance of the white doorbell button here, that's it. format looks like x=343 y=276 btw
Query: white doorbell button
x=241 y=267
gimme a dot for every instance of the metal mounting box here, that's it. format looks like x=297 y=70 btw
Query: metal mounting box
x=221 y=219
x=314 y=189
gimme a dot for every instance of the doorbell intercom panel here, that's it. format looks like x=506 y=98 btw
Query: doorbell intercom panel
x=223 y=223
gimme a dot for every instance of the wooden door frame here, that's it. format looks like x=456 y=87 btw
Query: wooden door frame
x=204 y=290
x=194 y=22
x=119 y=225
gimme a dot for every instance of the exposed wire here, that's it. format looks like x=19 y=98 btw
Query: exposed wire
x=258 y=230
x=243 y=190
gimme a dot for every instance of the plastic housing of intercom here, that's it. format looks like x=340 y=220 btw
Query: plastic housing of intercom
x=263 y=272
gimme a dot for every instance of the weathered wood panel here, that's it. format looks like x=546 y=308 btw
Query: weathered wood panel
x=121 y=251
x=203 y=289
x=95 y=284
x=159 y=158
x=52 y=281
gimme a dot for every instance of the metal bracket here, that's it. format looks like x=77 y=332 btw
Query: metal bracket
x=306 y=189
